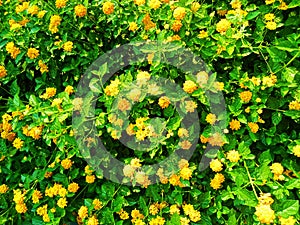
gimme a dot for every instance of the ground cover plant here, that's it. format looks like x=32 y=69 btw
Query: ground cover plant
x=251 y=47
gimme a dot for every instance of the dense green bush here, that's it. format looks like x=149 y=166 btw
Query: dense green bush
x=252 y=49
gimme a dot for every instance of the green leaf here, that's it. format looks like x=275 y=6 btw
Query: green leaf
x=60 y=178
x=265 y=157
x=293 y=183
x=143 y=205
x=117 y=203
x=247 y=197
x=252 y=15
x=175 y=220
x=37 y=221
x=288 y=208
x=205 y=199
x=239 y=176
x=33 y=100
x=244 y=149
x=294 y=4
x=276 y=118
x=232 y=219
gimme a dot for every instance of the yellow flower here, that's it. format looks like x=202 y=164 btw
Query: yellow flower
x=183 y=163
x=217 y=181
x=33 y=10
x=283 y=6
x=143 y=179
x=55 y=20
x=90 y=179
x=186 y=173
x=294 y=105
x=216 y=165
x=211 y=118
x=203 y=34
x=128 y=171
x=66 y=163
x=112 y=89
x=182 y=132
x=268 y=2
x=195 y=7
x=269 y=16
x=108 y=8
x=271 y=25
x=246 y=96
x=153 y=210
x=277 y=168
x=148 y=22
x=18 y=196
x=42 y=210
x=97 y=204
x=265 y=199
x=184 y=221
x=73 y=187
x=133 y=26
x=43 y=67
x=3 y=71
x=233 y=156
x=255 y=80
x=185 y=145
x=92 y=221
x=236 y=4
x=60 y=3
x=190 y=106
x=12 y=49
x=68 y=46
x=83 y=212
x=154 y=4
x=289 y=221
x=164 y=102
x=50 y=92
x=36 y=196
x=195 y=216
x=80 y=10
x=46 y=218
x=18 y=143
x=41 y=14
x=123 y=214
x=22 y=7
x=174 y=209
x=3 y=188
x=69 y=90
x=21 y=208
x=179 y=13
x=223 y=25
x=33 y=53
x=235 y=124
x=296 y=150
x=135 y=163
x=62 y=202
x=189 y=86
x=176 y=25
x=269 y=81
x=187 y=209
x=265 y=214
x=48 y=174
x=139 y=2
x=253 y=127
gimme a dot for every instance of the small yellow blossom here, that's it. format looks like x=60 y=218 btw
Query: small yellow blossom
x=80 y=10
x=216 y=165
x=233 y=156
x=33 y=53
x=108 y=8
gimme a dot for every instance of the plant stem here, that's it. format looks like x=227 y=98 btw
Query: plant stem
x=250 y=179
